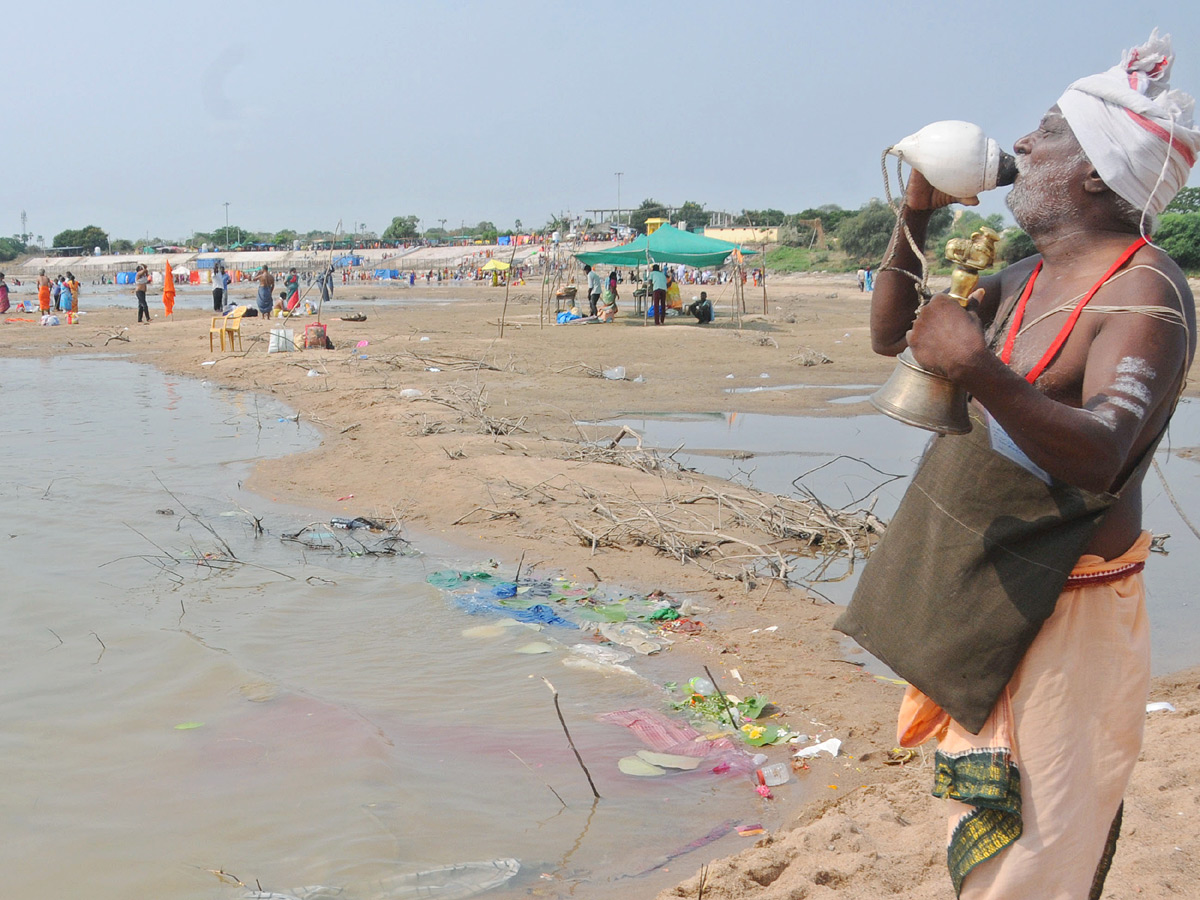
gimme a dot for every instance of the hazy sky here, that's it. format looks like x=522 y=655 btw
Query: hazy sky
x=146 y=117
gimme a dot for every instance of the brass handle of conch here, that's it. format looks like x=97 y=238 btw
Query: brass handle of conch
x=972 y=255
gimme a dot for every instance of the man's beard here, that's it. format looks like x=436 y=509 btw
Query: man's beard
x=1040 y=199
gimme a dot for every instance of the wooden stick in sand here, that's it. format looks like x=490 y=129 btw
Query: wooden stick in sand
x=507 y=284
x=563 y=722
x=721 y=694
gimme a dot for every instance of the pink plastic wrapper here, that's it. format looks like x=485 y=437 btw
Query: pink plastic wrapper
x=666 y=735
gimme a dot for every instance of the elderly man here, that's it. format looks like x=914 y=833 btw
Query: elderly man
x=1007 y=590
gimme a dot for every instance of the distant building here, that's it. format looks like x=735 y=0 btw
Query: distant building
x=745 y=234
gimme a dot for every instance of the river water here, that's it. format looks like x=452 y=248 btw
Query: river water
x=297 y=718
x=866 y=460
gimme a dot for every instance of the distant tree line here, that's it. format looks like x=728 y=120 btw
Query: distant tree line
x=862 y=234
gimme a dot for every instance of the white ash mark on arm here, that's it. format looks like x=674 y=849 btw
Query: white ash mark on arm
x=1130 y=406
x=1135 y=365
x=1106 y=417
x=1132 y=387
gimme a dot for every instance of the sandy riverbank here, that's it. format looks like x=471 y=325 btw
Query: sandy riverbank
x=490 y=455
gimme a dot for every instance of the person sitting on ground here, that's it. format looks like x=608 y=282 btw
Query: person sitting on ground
x=701 y=309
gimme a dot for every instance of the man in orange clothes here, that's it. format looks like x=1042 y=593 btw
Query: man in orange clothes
x=1065 y=418
x=43 y=286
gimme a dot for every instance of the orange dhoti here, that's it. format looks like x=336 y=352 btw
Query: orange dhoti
x=44 y=298
x=1035 y=797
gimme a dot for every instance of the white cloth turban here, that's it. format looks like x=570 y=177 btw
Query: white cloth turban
x=1136 y=131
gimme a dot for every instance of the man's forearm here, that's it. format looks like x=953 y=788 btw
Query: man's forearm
x=895 y=297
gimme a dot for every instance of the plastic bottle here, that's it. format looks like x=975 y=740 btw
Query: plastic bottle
x=773 y=774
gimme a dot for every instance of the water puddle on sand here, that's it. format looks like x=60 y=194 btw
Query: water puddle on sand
x=759 y=389
x=303 y=718
x=846 y=456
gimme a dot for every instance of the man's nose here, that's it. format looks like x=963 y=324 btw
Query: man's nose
x=1023 y=145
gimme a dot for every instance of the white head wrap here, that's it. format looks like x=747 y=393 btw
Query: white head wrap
x=1136 y=131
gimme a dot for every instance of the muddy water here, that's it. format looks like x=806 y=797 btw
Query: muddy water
x=843 y=461
x=300 y=718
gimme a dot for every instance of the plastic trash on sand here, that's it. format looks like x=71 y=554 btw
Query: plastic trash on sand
x=629 y=635
x=831 y=746
x=1159 y=706
x=535 y=648
x=617 y=373
x=634 y=765
x=773 y=775
x=599 y=654
x=670 y=760
x=410 y=393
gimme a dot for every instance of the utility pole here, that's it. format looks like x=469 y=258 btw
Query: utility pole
x=226 y=222
x=619 y=174
x=24 y=228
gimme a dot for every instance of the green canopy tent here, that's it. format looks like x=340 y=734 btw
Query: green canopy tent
x=670 y=245
x=667 y=245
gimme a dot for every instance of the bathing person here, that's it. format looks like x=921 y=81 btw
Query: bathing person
x=43 y=286
x=266 y=284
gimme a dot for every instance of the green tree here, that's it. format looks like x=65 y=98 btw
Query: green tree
x=650 y=209
x=969 y=221
x=120 y=245
x=693 y=214
x=284 y=237
x=87 y=237
x=1186 y=201
x=227 y=236
x=1016 y=246
x=865 y=236
x=830 y=214
x=11 y=248
x=938 y=229
x=436 y=234
x=402 y=228
x=766 y=217
x=1179 y=235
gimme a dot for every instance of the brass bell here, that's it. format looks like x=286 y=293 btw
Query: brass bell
x=915 y=395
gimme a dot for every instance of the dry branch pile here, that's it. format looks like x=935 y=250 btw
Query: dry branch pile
x=732 y=534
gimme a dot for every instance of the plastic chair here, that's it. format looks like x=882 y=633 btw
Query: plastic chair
x=230 y=325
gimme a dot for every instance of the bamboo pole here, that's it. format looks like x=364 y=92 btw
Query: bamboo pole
x=763 y=269
x=507 y=285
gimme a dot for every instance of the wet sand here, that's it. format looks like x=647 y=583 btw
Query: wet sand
x=489 y=455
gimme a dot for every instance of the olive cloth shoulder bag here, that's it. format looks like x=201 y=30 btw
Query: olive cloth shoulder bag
x=969 y=568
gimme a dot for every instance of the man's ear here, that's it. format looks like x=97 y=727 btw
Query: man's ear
x=1093 y=183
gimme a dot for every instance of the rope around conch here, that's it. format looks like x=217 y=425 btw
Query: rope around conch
x=922 y=282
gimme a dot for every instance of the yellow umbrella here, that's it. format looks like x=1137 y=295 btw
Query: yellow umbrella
x=493 y=265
